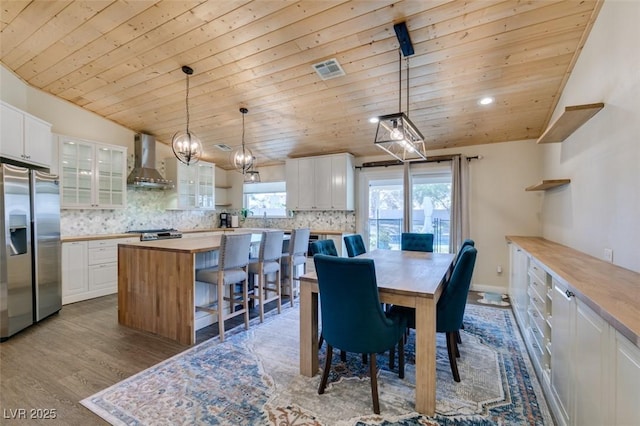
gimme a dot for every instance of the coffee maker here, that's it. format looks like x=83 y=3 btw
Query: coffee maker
x=225 y=220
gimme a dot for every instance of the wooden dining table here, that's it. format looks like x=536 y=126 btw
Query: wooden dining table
x=405 y=278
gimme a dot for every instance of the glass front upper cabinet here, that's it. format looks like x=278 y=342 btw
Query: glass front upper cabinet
x=93 y=174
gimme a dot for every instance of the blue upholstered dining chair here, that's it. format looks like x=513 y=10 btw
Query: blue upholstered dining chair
x=352 y=319
x=451 y=305
x=467 y=242
x=233 y=260
x=413 y=241
x=327 y=247
x=267 y=263
x=355 y=245
x=296 y=256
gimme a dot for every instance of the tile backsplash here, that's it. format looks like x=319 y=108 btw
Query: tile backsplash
x=146 y=210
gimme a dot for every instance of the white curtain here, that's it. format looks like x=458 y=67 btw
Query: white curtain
x=459 y=225
x=406 y=211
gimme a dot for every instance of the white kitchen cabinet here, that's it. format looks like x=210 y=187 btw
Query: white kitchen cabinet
x=562 y=353
x=93 y=174
x=518 y=283
x=320 y=183
x=24 y=137
x=90 y=268
x=626 y=377
x=580 y=360
x=590 y=367
x=194 y=185
x=75 y=282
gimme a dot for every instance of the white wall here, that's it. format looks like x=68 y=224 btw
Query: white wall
x=601 y=207
x=66 y=118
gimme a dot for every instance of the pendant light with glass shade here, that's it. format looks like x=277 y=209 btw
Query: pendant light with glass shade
x=242 y=159
x=185 y=144
x=396 y=133
x=252 y=175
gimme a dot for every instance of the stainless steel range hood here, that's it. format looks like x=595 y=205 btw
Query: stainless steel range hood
x=144 y=173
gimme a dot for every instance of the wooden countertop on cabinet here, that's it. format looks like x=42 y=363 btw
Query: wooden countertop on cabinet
x=608 y=289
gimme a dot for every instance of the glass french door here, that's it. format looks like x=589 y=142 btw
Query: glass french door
x=428 y=205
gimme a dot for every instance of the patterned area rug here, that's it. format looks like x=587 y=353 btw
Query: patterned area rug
x=252 y=379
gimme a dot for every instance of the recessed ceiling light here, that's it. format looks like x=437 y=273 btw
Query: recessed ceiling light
x=486 y=100
x=373 y=120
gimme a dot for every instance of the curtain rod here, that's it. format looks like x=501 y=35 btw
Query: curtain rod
x=433 y=159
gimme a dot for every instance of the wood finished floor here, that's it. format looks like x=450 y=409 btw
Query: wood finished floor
x=76 y=353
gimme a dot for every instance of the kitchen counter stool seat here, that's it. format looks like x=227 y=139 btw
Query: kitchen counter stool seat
x=267 y=263
x=231 y=269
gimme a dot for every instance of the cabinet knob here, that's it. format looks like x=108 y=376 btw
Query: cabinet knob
x=569 y=293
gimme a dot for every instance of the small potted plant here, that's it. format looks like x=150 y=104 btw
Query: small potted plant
x=244 y=212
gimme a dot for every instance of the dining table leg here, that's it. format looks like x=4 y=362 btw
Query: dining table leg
x=425 y=356
x=308 y=330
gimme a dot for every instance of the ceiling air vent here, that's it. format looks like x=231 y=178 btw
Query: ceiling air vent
x=329 y=69
x=223 y=147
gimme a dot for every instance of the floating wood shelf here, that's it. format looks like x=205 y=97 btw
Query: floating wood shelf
x=571 y=119
x=223 y=205
x=547 y=184
x=223 y=186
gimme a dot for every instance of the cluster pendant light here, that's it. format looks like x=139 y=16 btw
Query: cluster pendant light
x=186 y=145
x=243 y=159
x=396 y=133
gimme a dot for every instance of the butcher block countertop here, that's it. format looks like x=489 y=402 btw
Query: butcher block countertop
x=610 y=290
x=94 y=237
x=184 y=245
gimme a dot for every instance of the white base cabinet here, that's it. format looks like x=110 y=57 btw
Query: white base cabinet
x=590 y=372
x=75 y=282
x=90 y=268
x=625 y=407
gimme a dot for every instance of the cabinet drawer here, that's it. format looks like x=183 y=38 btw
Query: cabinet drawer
x=537 y=285
x=537 y=270
x=103 y=276
x=100 y=255
x=538 y=348
x=537 y=301
x=538 y=323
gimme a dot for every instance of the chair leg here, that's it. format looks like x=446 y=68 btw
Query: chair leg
x=451 y=341
x=392 y=357
x=327 y=367
x=458 y=338
x=245 y=302
x=343 y=356
x=220 y=309
x=262 y=282
x=291 y=293
x=364 y=359
x=374 y=383
x=320 y=340
x=401 y=358
x=278 y=285
x=455 y=345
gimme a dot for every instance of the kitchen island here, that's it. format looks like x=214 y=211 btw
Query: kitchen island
x=156 y=284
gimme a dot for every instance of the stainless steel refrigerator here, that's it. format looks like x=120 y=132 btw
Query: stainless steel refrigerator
x=30 y=278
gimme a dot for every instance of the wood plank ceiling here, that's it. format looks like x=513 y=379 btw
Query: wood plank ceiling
x=122 y=60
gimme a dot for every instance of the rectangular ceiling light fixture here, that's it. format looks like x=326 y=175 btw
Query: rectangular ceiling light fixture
x=398 y=136
x=328 y=69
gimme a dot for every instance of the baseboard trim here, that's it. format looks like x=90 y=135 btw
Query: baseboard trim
x=489 y=288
